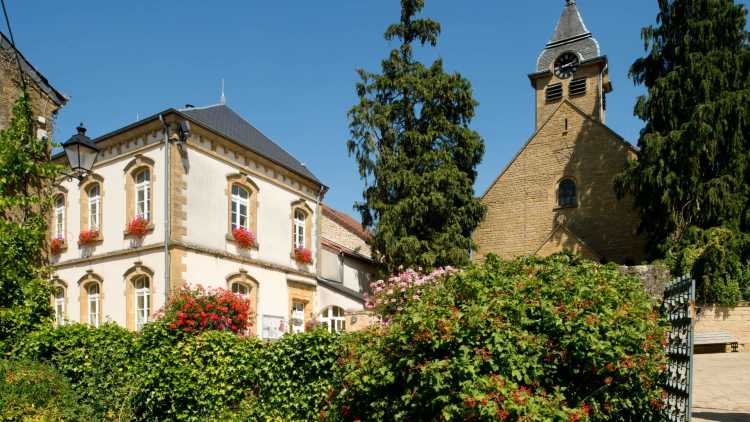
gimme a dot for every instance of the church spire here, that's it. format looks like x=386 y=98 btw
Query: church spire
x=570 y=34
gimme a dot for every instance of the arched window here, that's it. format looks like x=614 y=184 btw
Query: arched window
x=142 y=301
x=299 y=228
x=333 y=318
x=143 y=194
x=94 y=207
x=60 y=217
x=241 y=289
x=94 y=304
x=240 y=206
x=566 y=194
x=59 y=305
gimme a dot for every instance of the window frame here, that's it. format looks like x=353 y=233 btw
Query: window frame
x=235 y=208
x=332 y=321
x=60 y=302
x=298 y=230
x=570 y=200
x=143 y=313
x=145 y=187
x=94 y=312
x=94 y=204
x=60 y=216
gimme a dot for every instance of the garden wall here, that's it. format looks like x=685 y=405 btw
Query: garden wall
x=735 y=320
x=654 y=278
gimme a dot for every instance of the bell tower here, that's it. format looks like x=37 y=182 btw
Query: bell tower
x=571 y=67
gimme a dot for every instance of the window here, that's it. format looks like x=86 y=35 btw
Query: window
x=577 y=87
x=60 y=217
x=298 y=317
x=333 y=318
x=142 y=302
x=554 y=92
x=59 y=305
x=240 y=205
x=241 y=289
x=299 y=228
x=94 y=204
x=566 y=194
x=94 y=303
x=143 y=194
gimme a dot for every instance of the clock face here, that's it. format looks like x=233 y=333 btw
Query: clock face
x=566 y=65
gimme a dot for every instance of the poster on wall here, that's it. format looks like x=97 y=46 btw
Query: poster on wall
x=273 y=327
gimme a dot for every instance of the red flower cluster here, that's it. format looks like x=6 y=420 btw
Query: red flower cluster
x=88 y=237
x=194 y=310
x=303 y=255
x=245 y=238
x=56 y=245
x=137 y=227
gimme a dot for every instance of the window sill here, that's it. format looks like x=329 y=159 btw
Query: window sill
x=564 y=207
x=93 y=242
x=149 y=230
x=231 y=239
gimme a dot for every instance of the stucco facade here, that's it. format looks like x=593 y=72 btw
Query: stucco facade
x=558 y=193
x=192 y=205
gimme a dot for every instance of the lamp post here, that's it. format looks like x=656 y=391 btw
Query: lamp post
x=81 y=153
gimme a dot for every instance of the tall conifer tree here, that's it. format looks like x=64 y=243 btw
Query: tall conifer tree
x=416 y=153
x=694 y=165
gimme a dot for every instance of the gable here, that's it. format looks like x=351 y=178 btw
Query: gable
x=554 y=127
x=563 y=239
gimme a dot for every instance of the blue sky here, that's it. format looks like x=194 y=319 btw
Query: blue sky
x=289 y=66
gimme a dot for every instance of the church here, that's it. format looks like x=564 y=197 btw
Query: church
x=557 y=193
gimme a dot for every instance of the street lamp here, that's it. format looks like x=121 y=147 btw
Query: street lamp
x=81 y=152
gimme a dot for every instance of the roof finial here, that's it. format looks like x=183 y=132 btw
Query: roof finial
x=222 y=99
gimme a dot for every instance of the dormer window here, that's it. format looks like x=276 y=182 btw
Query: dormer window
x=577 y=87
x=554 y=92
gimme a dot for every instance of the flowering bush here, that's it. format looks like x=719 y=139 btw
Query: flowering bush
x=303 y=255
x=137 y=227
x=56 y=245
x=389 y=296
x=537 y=339
x=193 y=310
x=88 y=237
x=245 y=238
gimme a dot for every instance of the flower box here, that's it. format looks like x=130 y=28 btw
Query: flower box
x=245 y=238
x=303 y=255
x=137 y=227
x=57 y=245
x=88 y=237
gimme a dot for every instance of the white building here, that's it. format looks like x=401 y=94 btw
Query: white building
x=218 y=175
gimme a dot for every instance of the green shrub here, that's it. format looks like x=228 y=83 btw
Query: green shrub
x=194 y=378
x=534 y=339
x=95 y=360
x=719 y=260
x=32 y=391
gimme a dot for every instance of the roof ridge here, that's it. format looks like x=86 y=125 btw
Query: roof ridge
x=202 y=108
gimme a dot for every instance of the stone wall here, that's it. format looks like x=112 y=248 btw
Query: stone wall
x=654 y=278
x=735 y=320
x=10 y=91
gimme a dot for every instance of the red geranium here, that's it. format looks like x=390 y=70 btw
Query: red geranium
x=56 y=245
x=303 y=255
x=245 y=238
x=137 y=227
x=88 y=237
x=194 y=310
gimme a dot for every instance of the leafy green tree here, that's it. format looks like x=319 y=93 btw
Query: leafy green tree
x=415 y=151
x=694 y=166
x=25 y=176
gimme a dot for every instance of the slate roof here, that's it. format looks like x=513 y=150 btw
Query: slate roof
x=570 y=34
x=230 y=124
x=31 y=72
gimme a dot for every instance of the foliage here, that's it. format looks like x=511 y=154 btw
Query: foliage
x=95 y=360
x=25 y=178
x=415 y=151
x=303 y=255
x=695 y=146
x=195 y=309
x=32 y=391
x=531 y=339
x=719 y=260
x=194 y=378
x=293 y=379
x=389 y=296
x=244 y=237
x=88 y=237
x=137 y=227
